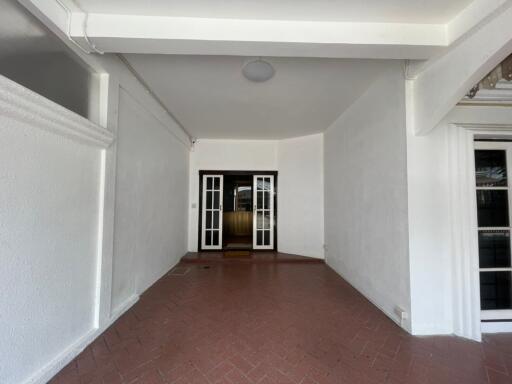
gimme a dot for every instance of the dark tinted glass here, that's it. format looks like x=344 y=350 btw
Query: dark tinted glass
x=208 y=238
x=209 y=183
x=495 y=290
x=216 y=200
x=215 y=238
x=491 y=170
x=492 y=208
x=259 y=237
x=209 y=204
x=266 y=237
x=217 y=183
x=208 y=220
x=494 y=249
x=216 y=219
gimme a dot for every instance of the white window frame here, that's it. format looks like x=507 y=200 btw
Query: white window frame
x=498 y=314
x=467 y=315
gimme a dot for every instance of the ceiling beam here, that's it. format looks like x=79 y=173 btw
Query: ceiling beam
x=188 y=35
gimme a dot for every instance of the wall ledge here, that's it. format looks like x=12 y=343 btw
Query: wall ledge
x=22 y=104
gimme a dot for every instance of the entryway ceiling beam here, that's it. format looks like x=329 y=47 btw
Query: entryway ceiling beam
x=118 y=33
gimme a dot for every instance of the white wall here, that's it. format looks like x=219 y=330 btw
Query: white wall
x=430 y=242
x=291 y=158
x=366 y=194
x=151 y=194
x=301 y=196
x=48 y=245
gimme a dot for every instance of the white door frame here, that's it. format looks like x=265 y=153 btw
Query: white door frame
x=464 y=225
x=263 y=209
x=204 y=209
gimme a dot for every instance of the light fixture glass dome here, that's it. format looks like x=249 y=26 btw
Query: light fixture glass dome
x=258 y=70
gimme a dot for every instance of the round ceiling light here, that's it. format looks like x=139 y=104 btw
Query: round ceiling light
x=258 y=70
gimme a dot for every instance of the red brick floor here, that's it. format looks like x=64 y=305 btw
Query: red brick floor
x=274 y=323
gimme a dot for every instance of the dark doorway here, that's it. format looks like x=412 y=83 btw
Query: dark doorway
x=238 y=214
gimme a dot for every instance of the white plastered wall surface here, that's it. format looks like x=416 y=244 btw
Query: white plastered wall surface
x=430 y=210
x=299 y=162
x=366 y=195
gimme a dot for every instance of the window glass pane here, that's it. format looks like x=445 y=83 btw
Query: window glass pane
x=494 y=249
x=208 y=238
x=491 y=170
x=216 y=184
x=495 y=290
x=259 y=237
x=259 y=184
x=215 y=238
x=492 y=208
x=208 y=200
x=259 y=204
x=208 y=183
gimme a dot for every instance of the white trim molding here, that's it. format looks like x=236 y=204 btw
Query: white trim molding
x=24 y=105
x=464 y=225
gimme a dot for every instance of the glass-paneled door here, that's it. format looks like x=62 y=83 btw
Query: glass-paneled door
x=211 y=222
x=493 y=165
x=263 y=212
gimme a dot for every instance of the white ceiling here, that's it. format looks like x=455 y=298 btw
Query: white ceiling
x=212 y=99
x=393 y=11
x=21 y=33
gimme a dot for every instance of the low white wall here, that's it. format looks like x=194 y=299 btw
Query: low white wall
x=366 y=194
x=299 y=165
x=430 y=241
x=150 y=235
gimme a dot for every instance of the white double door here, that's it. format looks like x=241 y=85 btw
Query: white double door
x=263 y=212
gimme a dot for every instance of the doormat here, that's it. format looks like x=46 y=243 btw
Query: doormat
x=179 y=271
x=238 y=246
x=229 y=254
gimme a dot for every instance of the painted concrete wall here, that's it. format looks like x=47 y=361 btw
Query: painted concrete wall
x=301 y=196
x=151 y=217
x=289 y=157
x=430 y=241
x=48 y=246
x=366 y=194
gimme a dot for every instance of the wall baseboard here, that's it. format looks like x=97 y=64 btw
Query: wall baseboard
x=62 y=359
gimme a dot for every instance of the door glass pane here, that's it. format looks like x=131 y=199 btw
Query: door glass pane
x=259 y=237
x=209 y=204
x=216 y=200
x=259 y=220
x=266 y=237
x=216 y=183
x=208 y=238
x=209 y=183
x=492 y=208
x=494 y=249
x=259 y=184
x=208 y=220
x=259 y=198
x=215 y=238
x=266 y=203
x=215 y=220
x=266 y=184
x=266 y=220
x=491 y=170
x=495 y=290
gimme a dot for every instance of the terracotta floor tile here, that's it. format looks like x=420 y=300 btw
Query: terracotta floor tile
x=269 y=322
